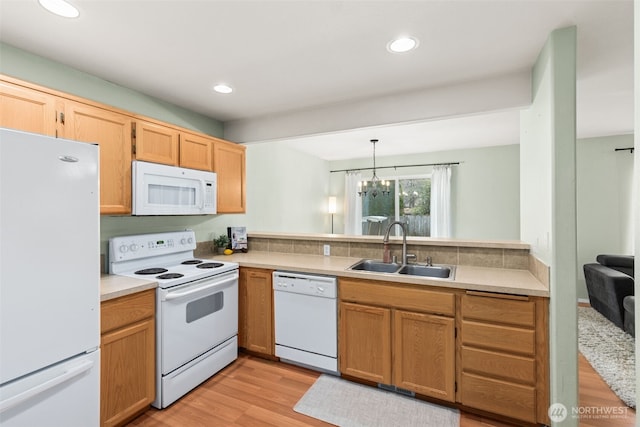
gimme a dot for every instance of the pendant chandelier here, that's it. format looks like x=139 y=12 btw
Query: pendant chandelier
x=375 y=185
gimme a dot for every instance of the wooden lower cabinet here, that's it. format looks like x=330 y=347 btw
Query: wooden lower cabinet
x=255 y=311
x=504 y=355
x=127 y=373
x=365 y=342
x=424 y=354
x=384 y=339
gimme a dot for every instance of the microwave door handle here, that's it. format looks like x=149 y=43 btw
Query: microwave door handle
x=202 y=194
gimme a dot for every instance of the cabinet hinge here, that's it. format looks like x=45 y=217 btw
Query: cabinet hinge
x=133 y=130
x=455 y=332
x=455 y=386
x=133 y=148
x=62 y=117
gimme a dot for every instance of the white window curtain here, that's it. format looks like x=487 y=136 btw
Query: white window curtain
x=441 y=201
x=352 y=204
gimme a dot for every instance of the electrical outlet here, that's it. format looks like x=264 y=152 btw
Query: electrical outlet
x=327 y=250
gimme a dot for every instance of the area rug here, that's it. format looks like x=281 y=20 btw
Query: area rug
x=610 y=351
x=349 y=404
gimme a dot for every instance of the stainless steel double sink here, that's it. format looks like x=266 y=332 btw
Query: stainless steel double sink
x=442 y=272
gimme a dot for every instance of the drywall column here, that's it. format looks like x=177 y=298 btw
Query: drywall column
x=548 y=206
x=636 y=180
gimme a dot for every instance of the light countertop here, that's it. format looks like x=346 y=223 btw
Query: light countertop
x=113 y=286
x=511 y=281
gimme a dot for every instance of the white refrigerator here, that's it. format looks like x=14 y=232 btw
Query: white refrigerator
x=49 y=282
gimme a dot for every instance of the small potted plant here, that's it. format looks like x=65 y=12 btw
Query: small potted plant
x=221 y=242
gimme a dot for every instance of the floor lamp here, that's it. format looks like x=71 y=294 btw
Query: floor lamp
x=332 y=209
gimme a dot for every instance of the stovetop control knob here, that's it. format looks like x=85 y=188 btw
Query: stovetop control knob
x=133 y=247
x=183 y=241
x=123 y=248
x=190 y=240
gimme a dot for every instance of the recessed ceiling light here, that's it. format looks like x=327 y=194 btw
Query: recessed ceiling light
x=60 y=8
x=402 y=44
x=222 y=88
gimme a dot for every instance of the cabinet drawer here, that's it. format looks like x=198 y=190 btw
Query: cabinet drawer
x=499 y=397
x=390 y=295
x=499 y=310
x=498 y=337
x=125 y=310
x=500 y=365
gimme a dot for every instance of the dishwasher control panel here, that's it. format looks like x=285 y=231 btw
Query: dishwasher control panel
x=321 y=286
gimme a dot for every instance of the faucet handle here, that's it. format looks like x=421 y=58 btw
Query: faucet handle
x=429 y=262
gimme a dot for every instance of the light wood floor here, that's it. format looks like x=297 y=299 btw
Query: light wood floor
x=257 y=392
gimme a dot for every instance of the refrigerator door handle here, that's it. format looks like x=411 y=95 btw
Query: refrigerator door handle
x=68 y=374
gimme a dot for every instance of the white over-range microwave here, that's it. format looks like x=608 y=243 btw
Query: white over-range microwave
x=171 y=190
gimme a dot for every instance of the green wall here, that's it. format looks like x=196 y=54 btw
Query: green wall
x=548 y=207
x=36 y=69
x=23 y=65
x=485 y=187
x=288 y=190
x=604 y=196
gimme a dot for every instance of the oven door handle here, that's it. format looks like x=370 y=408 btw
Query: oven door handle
x=176 y=295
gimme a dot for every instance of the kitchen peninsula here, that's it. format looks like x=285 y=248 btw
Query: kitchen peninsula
x=487 y=328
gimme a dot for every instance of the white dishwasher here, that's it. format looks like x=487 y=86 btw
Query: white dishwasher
x=306 y=311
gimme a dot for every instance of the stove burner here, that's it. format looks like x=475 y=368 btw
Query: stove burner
x=152 y=271
x=210 y=265
x=170 y=276
x=191 y=262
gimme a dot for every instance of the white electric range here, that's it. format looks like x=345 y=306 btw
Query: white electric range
x=196 y=307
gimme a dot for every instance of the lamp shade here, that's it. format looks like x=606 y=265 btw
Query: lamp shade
x=332 y=205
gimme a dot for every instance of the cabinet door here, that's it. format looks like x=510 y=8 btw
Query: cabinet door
x=255 y=308
x=155 y=143
x=229 y=164
x=127 y=372
x=365 y=342
x=112 y=132
x=26 y=109
x=196 y=152
x=424 y=354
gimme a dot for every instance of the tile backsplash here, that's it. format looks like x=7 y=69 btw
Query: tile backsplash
x=458 y=255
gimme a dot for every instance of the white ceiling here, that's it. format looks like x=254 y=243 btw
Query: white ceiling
x=284 y=57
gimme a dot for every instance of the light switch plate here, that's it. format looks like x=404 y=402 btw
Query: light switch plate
x=327 y=250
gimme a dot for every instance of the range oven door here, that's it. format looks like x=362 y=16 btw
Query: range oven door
x=196 y=317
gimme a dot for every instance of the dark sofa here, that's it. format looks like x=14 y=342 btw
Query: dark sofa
x=609 y=281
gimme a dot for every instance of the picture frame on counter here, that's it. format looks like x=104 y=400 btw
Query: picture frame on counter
x=238 y=239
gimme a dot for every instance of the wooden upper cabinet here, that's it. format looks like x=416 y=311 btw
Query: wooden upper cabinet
x=26 y=109
x=196 y=152
x=229 y=165
x=156 y=143
x=112 y=132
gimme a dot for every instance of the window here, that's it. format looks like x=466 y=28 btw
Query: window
x=409 y=201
